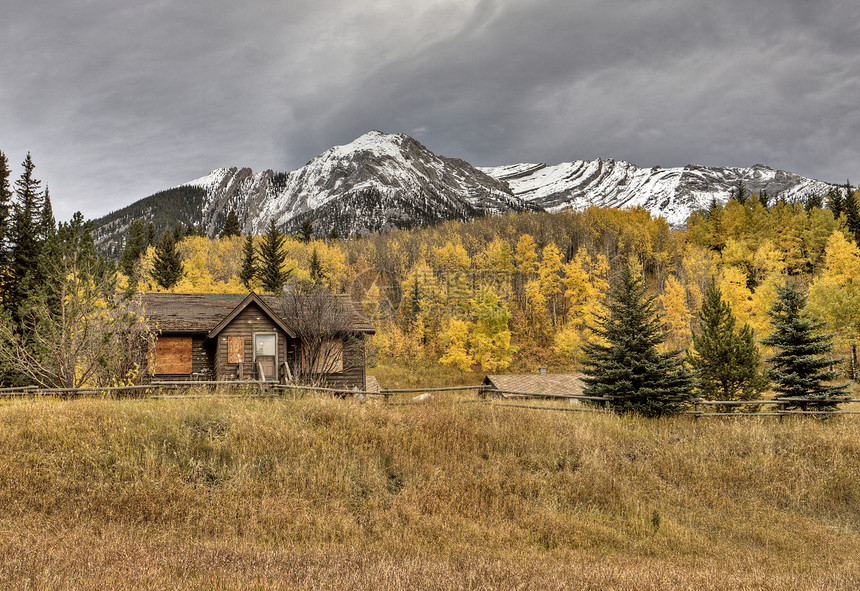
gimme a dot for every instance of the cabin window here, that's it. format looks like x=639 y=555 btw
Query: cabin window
x=328 y=359
x=266 y=355
x=173 y=355
x=235 y=349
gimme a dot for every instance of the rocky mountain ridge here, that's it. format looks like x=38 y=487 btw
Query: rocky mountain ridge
x=384 y=181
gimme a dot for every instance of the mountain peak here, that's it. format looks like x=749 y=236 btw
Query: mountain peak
x=381 y=181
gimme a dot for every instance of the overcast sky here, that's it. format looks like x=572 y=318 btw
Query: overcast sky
x=117 y=99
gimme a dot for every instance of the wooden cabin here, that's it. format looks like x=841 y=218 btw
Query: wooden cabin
x=248 y=336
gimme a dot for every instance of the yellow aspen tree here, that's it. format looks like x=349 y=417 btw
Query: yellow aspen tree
x=733 y=285
x=835 y=294
x=451 y=256
x=525 y=255
x=698 y=267
x=578 y=289
x=455 y=345
x=496 y=256
x=490 y=344
x=549 y=273
x=677 y=314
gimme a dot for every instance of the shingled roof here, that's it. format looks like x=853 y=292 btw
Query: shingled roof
x=552 y=384
x=198 y=313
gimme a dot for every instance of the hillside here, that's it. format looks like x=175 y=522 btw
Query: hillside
x=320 y=493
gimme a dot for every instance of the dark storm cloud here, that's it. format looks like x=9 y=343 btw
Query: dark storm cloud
x=118 y=101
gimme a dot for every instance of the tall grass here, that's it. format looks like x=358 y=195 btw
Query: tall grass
x=323 y=493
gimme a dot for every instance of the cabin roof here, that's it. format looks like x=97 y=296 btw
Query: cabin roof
x=553 y=384
x=208 y=313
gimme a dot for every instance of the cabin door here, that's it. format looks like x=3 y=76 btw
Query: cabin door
x=265 y=355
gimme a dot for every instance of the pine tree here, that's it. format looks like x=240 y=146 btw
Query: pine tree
x=307 y=231
x=317 y=274
x=167 y=267
x=25 y=235
x=727 y=360
x=835 y=202
x=47 y=223
x=249 y=262
x=135 y=245
x=231 y=225
x=852 y=213
x=5 y=210
x=272 y=257
x=628 y=369
x=800 y=366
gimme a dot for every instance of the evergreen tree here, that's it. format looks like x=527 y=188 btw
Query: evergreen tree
x=307 y=230
x=272 y=257
x=231 y=225
x=135 y=245
x=852 y=213
x=25 y=235
x=47 y=223
x=167 y=267
x=317 y=274
x=835 y=202
x=5 y=210
x=629 y=369
x=249 y=262
x=800 y=366
x=727 y=360
x=150 y=234
x=740 y=193
x=812 y=201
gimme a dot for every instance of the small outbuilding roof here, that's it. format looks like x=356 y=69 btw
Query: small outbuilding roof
x=552 y=384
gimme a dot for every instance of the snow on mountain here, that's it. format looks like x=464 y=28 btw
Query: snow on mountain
x=673 y=193
x=381 y=181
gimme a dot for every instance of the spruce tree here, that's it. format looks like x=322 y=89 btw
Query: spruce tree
x=307 y=230
x=272 y=257
x=25 y=235
x=628 y=369
x=135 y=245
x=249 y=262
x=5 y=210
x=852 y=213
x=726 y=359
x=47 y=223
x=167 y=267
x=317 y=274
x=800 y=368
x=835 y=202
x=231 y=225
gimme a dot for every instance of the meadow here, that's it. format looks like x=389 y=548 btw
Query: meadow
x=319 y=493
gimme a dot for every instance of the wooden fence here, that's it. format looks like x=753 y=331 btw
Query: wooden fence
x=485 y=395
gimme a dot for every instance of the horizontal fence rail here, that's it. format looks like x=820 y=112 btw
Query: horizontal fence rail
x=489 y=396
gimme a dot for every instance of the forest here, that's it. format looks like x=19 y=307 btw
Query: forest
x=496 y=293
x=513 y=292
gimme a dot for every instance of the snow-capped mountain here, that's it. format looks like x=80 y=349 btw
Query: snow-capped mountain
x=382 y=181
x=377 y=182
x=673 y=193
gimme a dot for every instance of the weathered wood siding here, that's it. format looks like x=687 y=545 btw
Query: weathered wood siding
x=353 y=363
x=249 y=321
x=202 y=360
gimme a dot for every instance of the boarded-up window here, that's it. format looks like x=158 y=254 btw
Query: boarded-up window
x=173 y=355
x=328 y=358
x=235 y=349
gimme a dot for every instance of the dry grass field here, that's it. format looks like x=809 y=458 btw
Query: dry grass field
x=317 y=493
